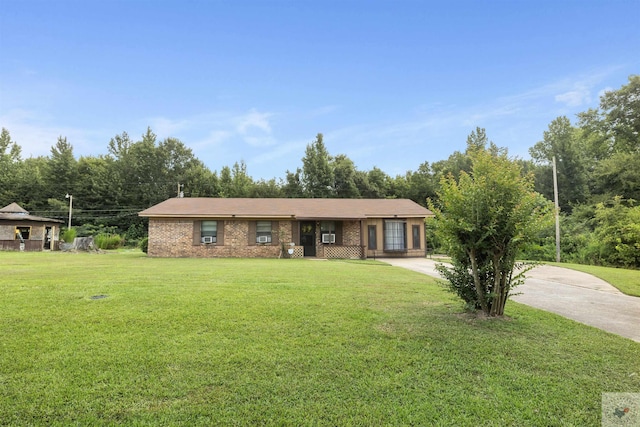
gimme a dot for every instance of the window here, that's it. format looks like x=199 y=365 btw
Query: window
x=328 y=231
x=22 y=233
x=209 y=232
x=373 y=237
x=263 y=231
x=395 y=235
x=415 y=231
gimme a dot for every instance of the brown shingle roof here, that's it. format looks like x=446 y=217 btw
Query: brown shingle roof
x=14 y=208
x=197 y=207
x=14 y=212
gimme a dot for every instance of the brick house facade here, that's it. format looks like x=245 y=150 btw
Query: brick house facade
x=295 y=228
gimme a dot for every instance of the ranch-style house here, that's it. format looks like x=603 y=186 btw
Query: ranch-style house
x=293 y=228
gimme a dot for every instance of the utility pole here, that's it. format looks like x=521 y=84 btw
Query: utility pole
x=70 y=197
x=180 y=192
x=555 y=197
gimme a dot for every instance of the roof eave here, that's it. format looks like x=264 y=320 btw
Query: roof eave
x=328 y=218
x=213 y=215
x=293 y=217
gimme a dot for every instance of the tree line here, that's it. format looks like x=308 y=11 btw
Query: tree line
x=597 y=157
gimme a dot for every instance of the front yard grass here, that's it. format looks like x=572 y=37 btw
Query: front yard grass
x=283 y=342
x=627 y=281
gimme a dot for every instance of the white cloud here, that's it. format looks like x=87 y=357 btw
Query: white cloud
x=575 y=98
x=165 y=126
x=434 y=131
x=279 y=151
x=255 y=129
x=213 y=138
x=214 y=128
x=577 y=92
x=490 y=113
x=254 y=120
x=35 y=136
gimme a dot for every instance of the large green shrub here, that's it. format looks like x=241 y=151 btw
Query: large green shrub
x=618 y=233
x=487 y=216
x=108 y=241
x=69 y=235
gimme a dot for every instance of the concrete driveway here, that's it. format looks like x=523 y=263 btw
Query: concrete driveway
x=572 y=294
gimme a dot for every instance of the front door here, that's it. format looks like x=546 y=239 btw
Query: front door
x=308 y=237
x=47 y=238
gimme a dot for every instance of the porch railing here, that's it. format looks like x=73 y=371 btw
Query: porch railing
x=342 y=252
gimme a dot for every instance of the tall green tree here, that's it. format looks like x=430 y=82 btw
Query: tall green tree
x=344 y=176
x=456 y=163
x=486 y=217
x=292 y=186
x=226 y=183
x=611 y=137
x=95 y=193
x=562 y=141
x=9 y=164
x=618 y=176
x=119 y=146
x=122 y=163
x=235 y=182
x=266 y=189
x=32 y=187
x=199 y=181
x=62 y=170
x=317 y=174
x=477 y=140
x=147 y=174
x=9 y=150
x=177 y=158
x=421 y=184
x=374 y=184
x=242 y=183
x=621 y=111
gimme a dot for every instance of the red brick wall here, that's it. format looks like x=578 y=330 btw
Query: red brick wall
x=174 y=238
x=351 y=233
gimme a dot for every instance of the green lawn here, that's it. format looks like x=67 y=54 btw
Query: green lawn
x=627 y=281
x=283 y=342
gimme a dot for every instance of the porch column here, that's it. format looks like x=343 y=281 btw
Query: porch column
x=363 y=248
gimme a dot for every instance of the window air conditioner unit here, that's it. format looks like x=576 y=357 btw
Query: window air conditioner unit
x=208 y=239
x=328 y=238
x=263 y=239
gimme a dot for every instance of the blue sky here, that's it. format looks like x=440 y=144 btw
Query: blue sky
x=390 y=84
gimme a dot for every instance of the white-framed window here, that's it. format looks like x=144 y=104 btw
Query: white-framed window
x=328 y=231
x=263 y=231
x=209 y=232
x=395 y=235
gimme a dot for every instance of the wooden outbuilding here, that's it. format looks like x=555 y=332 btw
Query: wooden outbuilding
x=20 y=231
